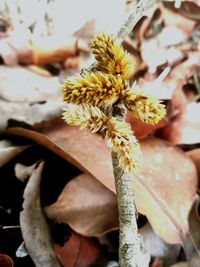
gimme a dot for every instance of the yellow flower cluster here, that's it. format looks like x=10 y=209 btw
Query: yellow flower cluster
x=85 y=116
x=118 y=135
x=120 y=139
x=146 y=108
x=95 y=88
x=92 y=90
x=110 y=56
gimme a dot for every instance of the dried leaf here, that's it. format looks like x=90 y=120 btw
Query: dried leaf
x=164 y=188
x=34 y=227
x=23 y=172
x=77 y=251
x=79 y=147
x=6 y=261
x=86 y=205
x=157 y=263
x=142 y=129
x=21 y=47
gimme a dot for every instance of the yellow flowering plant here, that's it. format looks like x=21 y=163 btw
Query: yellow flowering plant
x=91 y=94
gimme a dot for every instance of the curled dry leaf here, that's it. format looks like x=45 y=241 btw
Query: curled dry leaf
x=164 y=188
x=86 y=205
x=34 y=227
x=9 y=152
x=23 y=172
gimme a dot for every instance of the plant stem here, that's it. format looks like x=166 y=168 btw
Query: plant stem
x=132 y=252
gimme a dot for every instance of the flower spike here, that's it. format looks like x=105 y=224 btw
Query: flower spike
x=146 y=108
x=111 y=56
x=96 y=88
x=120 y=140
x=85 y=116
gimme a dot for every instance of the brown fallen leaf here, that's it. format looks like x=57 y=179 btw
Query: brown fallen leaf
x=21 y=47
x=34 y=227
x=77 y=251
x=86 y=205
x=141 y=129
x=164 y=188
x=52 y=48
x=80 y=148
x=9 y=152
x=157 y=263
x=6 y=261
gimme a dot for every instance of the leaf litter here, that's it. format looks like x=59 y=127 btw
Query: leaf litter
x=166 y=187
